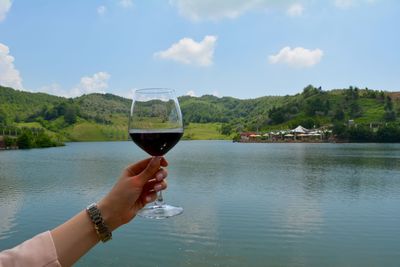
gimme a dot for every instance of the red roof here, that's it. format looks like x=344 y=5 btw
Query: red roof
x=247 y=134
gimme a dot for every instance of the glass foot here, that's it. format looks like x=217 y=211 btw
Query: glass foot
x=160 y=211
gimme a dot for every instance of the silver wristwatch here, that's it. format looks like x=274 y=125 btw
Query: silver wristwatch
x=99 y=225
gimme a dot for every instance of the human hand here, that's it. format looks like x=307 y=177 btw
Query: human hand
x=137 y=186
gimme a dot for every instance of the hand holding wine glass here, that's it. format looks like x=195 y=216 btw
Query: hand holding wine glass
x=155 y=125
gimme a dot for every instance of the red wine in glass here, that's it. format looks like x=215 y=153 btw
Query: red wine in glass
x=155 y=125
x=156 y=142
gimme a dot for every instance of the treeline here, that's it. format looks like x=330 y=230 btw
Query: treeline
x=30 y=139
x=313 y=107
x=55 y=113
x=388 y=133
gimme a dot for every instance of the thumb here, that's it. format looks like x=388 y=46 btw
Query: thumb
x=152 y=167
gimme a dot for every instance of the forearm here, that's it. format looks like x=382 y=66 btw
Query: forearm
x=74 y=238
x=136 y=187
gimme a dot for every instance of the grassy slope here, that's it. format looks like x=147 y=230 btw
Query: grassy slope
x=204 y=131
x=39 y=126
x=89 y=131
x=373 y=111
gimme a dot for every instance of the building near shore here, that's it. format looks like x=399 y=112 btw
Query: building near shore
x=298 y=134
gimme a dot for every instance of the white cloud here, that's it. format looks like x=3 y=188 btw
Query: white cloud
x=97 y=83
x=295 y=10
x=214 y=10
x=9 y=75
x=298 y=57
x=101 y=10
x=5 y=6
x=126 y=3
x=191 y=93
x=188 y=51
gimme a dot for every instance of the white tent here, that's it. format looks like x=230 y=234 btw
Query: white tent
x=300 y=129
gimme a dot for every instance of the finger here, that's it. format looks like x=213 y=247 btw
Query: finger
x=136 y=168
x=160 y=186
x=151 y=169
x=151 y=197
x=154 y=186
x=164 y=162
x=161 y=174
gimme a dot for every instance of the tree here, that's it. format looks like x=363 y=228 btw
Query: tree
x=9 y=141
x=60 y=109
x=3 y=117
x=43 y=140
x=340 y=131
x=276 y=115
x=361 y=134
x=310 y=91
x=339 y=115
x=25 y=140
x=314 y=105
x=390 y=114
x=388 y=134
x=355 y=110
x=327 y=107
x=388 y=103
x=70 y=115
x=226 y=129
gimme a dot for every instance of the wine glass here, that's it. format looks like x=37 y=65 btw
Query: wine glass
x=155 y=125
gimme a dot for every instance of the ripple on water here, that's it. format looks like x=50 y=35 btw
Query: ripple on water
x=245 y=204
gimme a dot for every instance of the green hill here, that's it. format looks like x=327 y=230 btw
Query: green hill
x=311 y=108
x=104 y=116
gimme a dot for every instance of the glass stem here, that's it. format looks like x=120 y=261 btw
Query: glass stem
x=160 y=199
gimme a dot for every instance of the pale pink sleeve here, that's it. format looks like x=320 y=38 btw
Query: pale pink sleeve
x=38 y=251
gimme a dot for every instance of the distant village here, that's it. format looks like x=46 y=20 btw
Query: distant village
x=298 y=134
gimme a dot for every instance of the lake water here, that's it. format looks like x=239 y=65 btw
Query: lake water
x=245 y=204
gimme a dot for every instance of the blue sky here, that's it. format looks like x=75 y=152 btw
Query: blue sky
x=239 y=48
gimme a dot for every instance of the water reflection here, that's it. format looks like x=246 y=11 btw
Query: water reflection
x=11 y=199
x=292 y=204
x=9 y=207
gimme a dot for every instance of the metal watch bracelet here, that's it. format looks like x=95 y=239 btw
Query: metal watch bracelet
x=99 y=225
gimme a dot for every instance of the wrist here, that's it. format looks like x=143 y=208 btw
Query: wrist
x=101 y=228
x=110 y=219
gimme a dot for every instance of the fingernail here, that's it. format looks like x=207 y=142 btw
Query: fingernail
x=158 y=158
x=148 y=198
x=159 y=176
x=157 y=187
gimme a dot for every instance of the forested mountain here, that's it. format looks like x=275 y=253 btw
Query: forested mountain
x=311 y=108
x=104 y=116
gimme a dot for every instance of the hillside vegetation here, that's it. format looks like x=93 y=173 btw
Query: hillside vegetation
x=97 y=117
x=311 y=108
